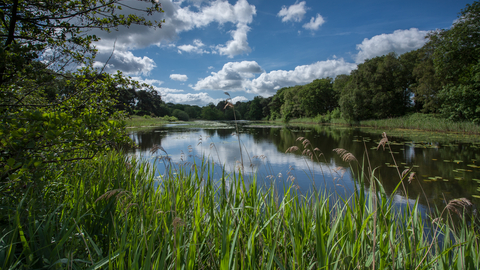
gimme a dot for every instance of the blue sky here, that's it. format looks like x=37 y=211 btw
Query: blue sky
x=255 y=47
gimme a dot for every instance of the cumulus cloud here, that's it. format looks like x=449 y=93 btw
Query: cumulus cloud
x=232 y=77
x=179 y=17
x=400 y=41
x=315 y=23
x=126 y=62
x=238 y=45
x=196 y=47
x=179 y=77
x=293 y=13
x=200 y=99
x=151 y=82
x=268 y=83
x=240 y=76
x=240 y=98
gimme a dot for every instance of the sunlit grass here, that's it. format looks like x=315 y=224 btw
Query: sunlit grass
x=424 y=122
x=135 y=121
x=113 y=213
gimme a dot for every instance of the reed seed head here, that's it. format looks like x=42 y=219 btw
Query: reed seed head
x=458 y=205
x=157 y=147
x=345 y=155
x=291 y=149
x=383 y=141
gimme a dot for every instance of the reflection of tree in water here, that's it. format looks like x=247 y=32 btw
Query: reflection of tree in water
x=225 y=134
x=428 y=161
x=210 y=132
x=424 y=159
x=146 y=139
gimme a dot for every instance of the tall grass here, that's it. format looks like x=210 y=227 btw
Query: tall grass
x=135 y=121
x=112 y=213
x=426 y=122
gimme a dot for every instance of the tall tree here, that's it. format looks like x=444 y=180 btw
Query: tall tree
x=456 y=58
x=378 y=88
x=41 y=125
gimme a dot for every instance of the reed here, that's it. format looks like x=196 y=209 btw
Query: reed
x=114 y=213
x=425 y=122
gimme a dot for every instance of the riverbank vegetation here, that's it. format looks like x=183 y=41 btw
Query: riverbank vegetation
x=417 y=121
x=135 y=121
x=112 y=212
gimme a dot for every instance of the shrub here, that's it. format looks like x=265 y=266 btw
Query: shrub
x=181 y=115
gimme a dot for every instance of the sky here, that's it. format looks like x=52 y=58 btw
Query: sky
x=253 y=48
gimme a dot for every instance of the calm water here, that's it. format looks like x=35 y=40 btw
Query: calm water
x=444 y=170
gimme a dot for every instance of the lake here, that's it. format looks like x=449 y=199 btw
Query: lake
x=445 y=166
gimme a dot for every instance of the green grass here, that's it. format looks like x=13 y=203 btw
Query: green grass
x=424 y=122
x=135 y=121
x=417 y=121
x=109 y=213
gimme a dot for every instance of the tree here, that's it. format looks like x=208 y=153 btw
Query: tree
x=180 y=115
x=74 y=118
x=378 y=88
x=456 y=60
x=427 y=83
x=456 y=50
x=255 y=109
x=318 y=97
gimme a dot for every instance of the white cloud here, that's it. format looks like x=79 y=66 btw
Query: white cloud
x=232 y=77
x=178 y=77
x=238 y=45
x=178 y=18
x=293 y=13
x=195 y=48
x=314 y=23
x=200 y=99
x=400 y=41
x=152 y=82
x=268 y=83
x=240 y=76
x=237 y=99
x=126 y=62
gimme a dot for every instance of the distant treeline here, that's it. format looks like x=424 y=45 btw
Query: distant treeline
x=442 y=77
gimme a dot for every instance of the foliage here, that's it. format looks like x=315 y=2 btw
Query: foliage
x=378 y=88
x=421 y=121
x=181 y=115
x=456 y=58
x=255 y=109
x=49 y=115
x=463 y=101
x=211 y=113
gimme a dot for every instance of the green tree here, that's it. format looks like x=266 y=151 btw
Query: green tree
x=318 y=97
x=255 y=109
x=211 y=113
x=456 y=50
x=276 y=103
x=378 y=88
x=456 y=60
x=180 y=115
x=72 y=119
x=427 y=83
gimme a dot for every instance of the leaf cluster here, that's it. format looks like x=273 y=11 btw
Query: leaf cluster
x=55 y=107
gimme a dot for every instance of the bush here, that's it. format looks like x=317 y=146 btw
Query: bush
x=181 y=115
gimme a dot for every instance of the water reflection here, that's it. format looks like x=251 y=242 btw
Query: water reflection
x=443 y=170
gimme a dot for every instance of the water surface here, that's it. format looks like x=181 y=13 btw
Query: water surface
x=444 y=169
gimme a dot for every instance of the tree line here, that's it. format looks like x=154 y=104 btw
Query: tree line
x=442 y=77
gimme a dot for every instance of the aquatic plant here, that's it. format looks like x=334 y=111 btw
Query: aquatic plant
x=114 y=212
